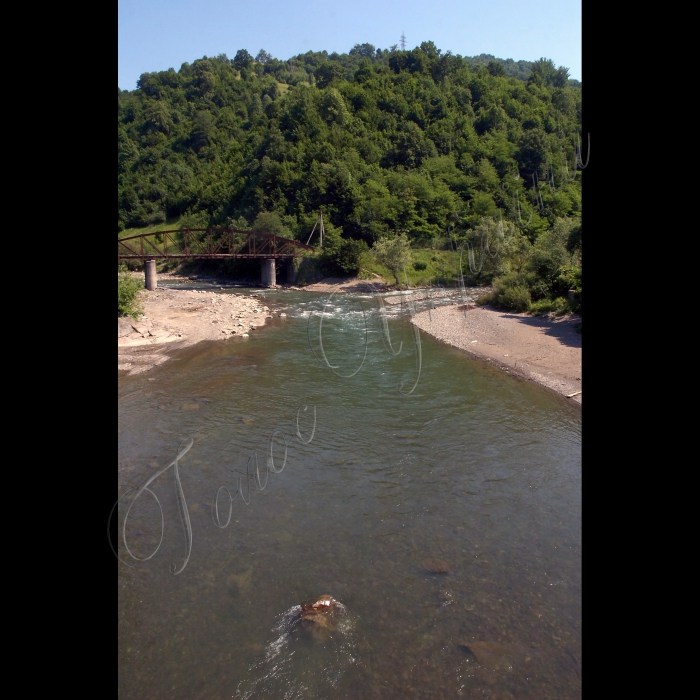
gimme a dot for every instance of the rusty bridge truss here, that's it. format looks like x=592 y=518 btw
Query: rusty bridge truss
x=208 y=244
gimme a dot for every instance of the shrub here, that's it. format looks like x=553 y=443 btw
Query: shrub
x=419 y=265
x=129 y=287
x=343 y=257
x=157 y=216
x=512 y=292
x=349 y=255
x=484 y=299
x=514 y=299
x=190 y=219
x=557 y=305
x=569 y=278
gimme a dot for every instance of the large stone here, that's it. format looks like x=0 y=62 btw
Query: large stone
x=493 y=655
x=435 y=566
x=320 y=616
x=123 y=327
x=142 y=328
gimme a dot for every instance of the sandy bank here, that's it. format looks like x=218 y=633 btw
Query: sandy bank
x=345 y=285
x=176 y=318
x=543 y=350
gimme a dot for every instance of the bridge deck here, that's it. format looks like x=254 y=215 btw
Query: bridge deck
x=208 y=244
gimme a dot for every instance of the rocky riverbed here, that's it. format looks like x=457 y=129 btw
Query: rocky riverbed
x=176 y=318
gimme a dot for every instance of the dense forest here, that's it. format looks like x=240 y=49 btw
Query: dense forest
x=440 y=149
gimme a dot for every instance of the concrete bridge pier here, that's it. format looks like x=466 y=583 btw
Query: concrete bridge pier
x=151 y=277
x=292 y=270
x=268 y=272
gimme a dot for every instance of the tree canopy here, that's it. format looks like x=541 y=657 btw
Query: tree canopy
x=383 y=140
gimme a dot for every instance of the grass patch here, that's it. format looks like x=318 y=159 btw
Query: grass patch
x=434 y=267
x=171 y=223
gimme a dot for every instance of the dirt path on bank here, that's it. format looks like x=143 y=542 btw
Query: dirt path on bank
x=543 y=350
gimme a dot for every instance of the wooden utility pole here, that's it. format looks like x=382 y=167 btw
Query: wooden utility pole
x=312 y=232
x=320 y=230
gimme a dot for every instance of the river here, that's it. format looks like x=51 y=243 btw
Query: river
x=436 y=498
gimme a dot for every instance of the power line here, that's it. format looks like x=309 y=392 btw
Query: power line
x=403 y=42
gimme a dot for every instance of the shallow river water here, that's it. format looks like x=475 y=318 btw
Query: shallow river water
x=436 y=498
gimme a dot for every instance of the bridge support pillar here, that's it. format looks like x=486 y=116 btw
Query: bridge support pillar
x=292 y=270
x=151 y=277
x=268 y=272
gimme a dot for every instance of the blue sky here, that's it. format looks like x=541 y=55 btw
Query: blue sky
x=155 y=35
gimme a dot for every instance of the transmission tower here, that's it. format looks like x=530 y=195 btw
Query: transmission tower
x=403 y=42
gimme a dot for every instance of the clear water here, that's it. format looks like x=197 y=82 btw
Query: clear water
x=474 y=469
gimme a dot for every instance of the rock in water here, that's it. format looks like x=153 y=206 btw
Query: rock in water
x=435 y=566
x=321 y=615
x=492 y=655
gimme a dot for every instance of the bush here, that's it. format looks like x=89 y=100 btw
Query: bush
x=157 y=216
x=484 y=299
x=190 y=219
x=349 y=255
x=343 y=257
x=569 y=278
x=514 y=299
x=419 y=265
x=512 y=292
x=129 y=287
x=557 y=305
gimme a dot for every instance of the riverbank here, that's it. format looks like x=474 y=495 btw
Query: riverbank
x=177 y=318
x=345 y=285
x=540 y=349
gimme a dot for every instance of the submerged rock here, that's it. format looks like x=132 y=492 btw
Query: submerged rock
x=435 y=566
x=321 y=616
x=311 y=648
x=492 y=655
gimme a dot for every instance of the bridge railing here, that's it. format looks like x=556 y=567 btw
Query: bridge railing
x=208 y=243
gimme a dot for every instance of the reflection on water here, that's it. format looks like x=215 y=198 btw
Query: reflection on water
x=446 y=522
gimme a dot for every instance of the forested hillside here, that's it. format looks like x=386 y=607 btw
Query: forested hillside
x=383 y=141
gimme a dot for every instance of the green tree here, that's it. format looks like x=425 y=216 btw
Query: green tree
x=199 y=219
x=327 y=73
x=263 y=56
x=394 y=253
x=496 y=68
x=384 y=141
x=242 y=59
x=365 y=50
x=332 y=107
x=560 y=78
x=271 y=222
x=549 y=255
